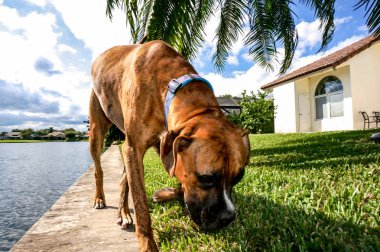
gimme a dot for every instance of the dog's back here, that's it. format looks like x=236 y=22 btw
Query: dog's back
x=136 y=73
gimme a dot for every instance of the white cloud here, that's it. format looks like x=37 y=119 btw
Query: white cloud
x=95 y=29
x=247 y=57
x=363 y=28
x=40 y=3
x=339 y=21
x=308 y=34
x=22 y=45
x=28 y=38
x=232 y=60
x=256 y=76
x=36 y=35
x=252 y=79
x=66 y=48
x=210 y=29
x=1 y=2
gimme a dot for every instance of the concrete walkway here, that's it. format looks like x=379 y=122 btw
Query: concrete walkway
x=72 y=224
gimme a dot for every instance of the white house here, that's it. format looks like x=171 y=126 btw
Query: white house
x=329 y=93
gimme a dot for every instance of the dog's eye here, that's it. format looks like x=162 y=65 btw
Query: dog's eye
x=208 y=181
x=238 y=177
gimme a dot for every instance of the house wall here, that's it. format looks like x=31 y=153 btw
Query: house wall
x=365 y=76
x=284 y=100
x=335 y=123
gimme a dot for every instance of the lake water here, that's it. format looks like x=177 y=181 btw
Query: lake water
x=32 y=177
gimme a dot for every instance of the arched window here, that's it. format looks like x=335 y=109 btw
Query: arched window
x=329 y=98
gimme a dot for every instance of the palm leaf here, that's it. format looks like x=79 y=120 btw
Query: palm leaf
x=323 y=10
x=180 y=23
x=372 y=9
x=145 y=15
x=132 y=15
x=260 y=37
x=285 y=30
x=229 y=29
x=271 y=23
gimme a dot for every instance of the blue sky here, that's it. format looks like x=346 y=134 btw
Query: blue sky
x=47 y=47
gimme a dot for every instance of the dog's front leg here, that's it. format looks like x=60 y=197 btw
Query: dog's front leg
x=133 y=157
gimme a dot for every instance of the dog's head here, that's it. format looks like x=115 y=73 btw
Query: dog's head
x=208 y=157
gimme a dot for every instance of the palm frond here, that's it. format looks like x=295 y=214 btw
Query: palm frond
x=324 y=10
x=261 y=37
x=229 y=28
x=180 y=23
x=132 y=15
x=195 y=38
x=111 y=5
x=285 y=30
x=145 y=15
x=372 y=13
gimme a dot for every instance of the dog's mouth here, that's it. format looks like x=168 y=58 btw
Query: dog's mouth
x=210 y=220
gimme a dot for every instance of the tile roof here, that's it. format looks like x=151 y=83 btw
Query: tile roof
x=56 y=134
x=226 y=101
x=331 y=60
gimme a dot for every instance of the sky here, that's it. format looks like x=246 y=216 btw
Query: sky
x=47 y=48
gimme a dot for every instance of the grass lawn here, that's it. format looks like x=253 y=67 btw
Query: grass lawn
x=301 y=192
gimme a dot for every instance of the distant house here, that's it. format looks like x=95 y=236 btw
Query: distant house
x=13 y=135
x=56 y=135
x=229 y=105
x=329 y=93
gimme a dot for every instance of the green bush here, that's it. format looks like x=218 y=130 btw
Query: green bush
x=70 y=135
x=113 y=134
x=234 y=118
x=258 y=112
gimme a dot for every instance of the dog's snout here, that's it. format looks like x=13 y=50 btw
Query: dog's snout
x=226 y=218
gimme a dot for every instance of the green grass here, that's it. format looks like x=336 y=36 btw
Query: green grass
x=301 y=192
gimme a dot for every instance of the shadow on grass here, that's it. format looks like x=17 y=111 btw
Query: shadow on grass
x=262 y=224
x=317 y=150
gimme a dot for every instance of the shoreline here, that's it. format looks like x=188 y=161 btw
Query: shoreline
x=38 y=141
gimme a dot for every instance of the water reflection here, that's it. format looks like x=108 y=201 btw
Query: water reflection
x=32 y=177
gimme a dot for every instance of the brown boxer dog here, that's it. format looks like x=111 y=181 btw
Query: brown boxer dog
x=196 y=143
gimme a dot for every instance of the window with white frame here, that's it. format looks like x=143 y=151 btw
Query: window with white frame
x=329 y=98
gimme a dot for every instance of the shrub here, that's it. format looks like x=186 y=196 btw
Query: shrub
x=258 y=112
x=70 y=135
x=114 y=134
x=234 y=118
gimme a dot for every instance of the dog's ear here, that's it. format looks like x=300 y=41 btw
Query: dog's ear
x=166 y=150
x=171 y=145
x=247 y=145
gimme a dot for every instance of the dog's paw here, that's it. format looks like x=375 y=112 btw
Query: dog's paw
x=99 y=203
x=166 y=194
x=125 y=222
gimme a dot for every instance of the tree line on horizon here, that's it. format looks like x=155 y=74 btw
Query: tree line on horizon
x=29 y=133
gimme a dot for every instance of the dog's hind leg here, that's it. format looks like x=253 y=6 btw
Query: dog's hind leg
x=125 y=218
x=99 y=125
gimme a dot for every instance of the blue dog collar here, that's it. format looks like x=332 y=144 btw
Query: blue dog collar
x=177 y=84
